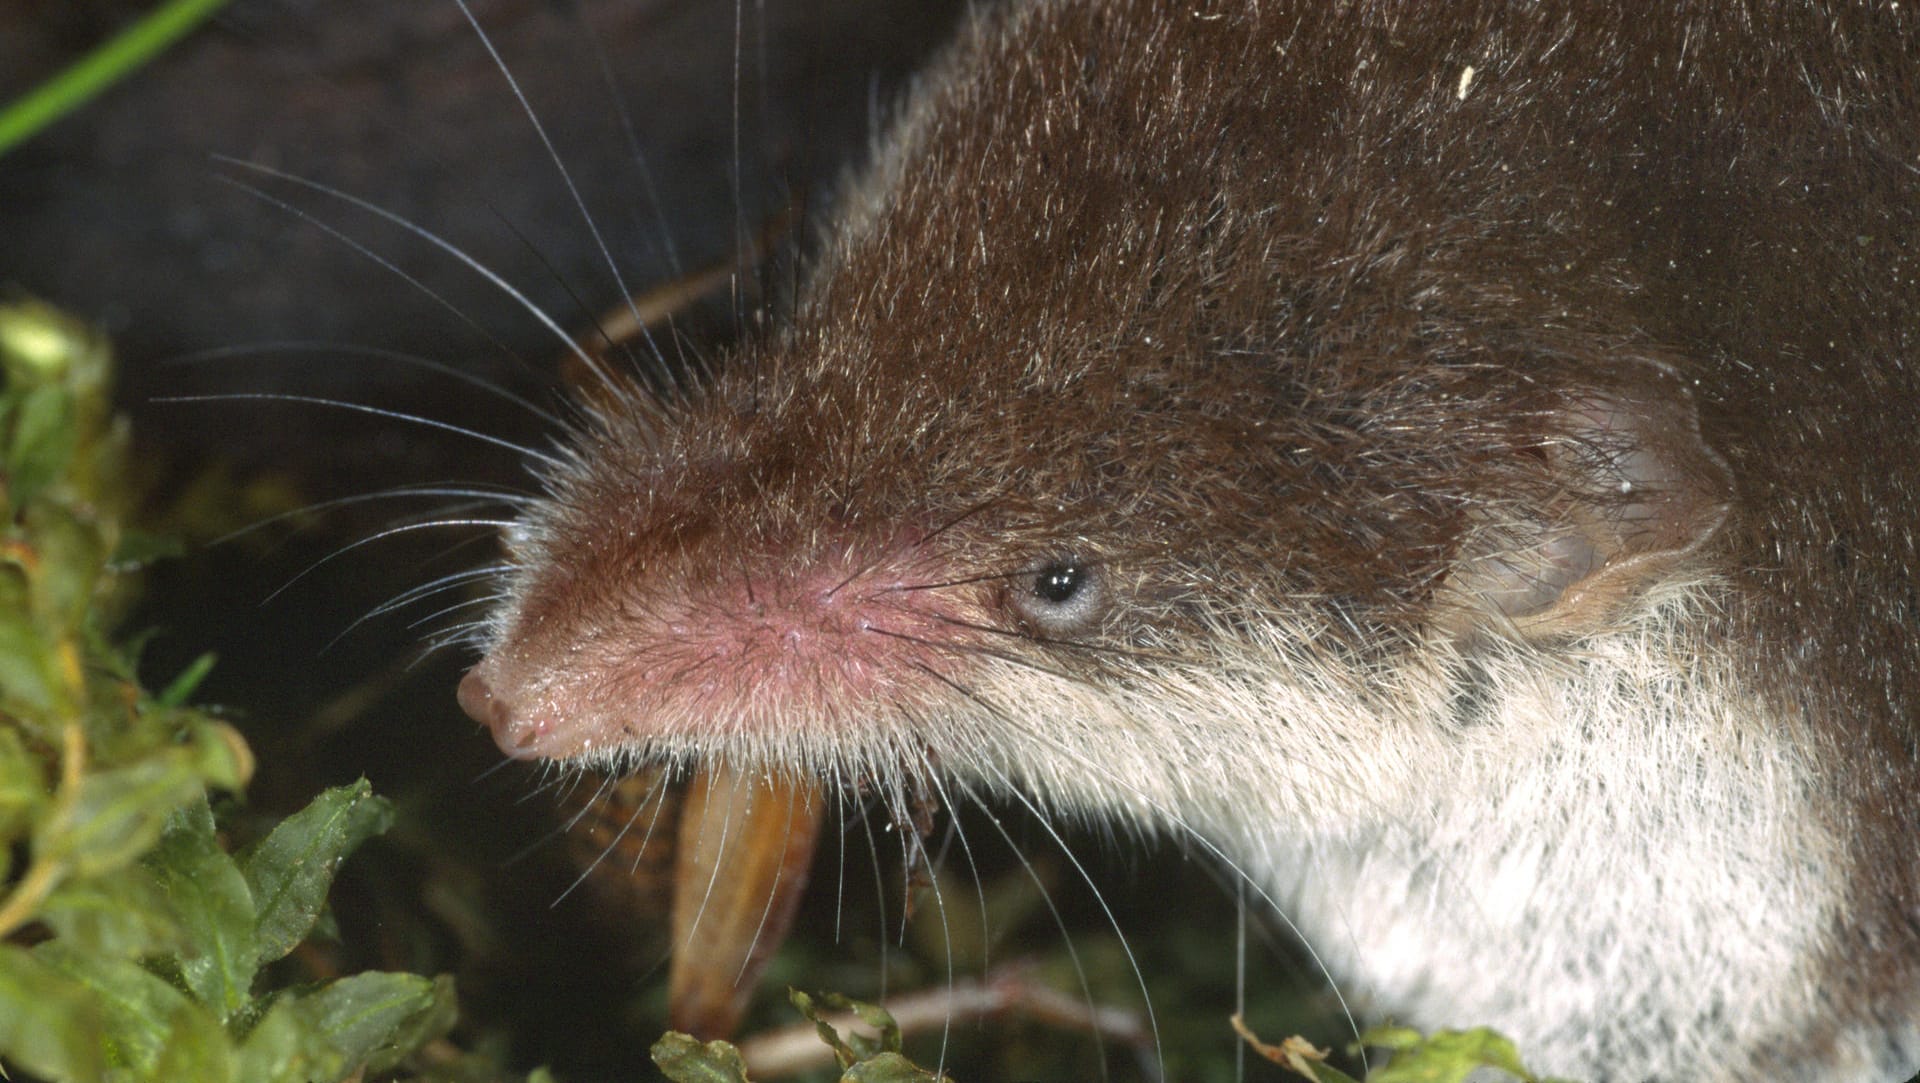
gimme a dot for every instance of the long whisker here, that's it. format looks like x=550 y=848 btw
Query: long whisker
x=376 y=411
x=493 y=769
x=1073 y=953
x=1113 y=921
x=766 y=912
x=607 y=782
x=1240 y=972
x=566 y=175
x=606 y=786
x=986 y=652
x=660 y=790
x=343 y=237
x=465 y=603
x=1073 y=644
x=480 y=496
x=937 y=531
x=558 y=830
x=631 y=132
x=491 y=524
x=420 y=593
x=539 y=314
x=428 y=589
x=468 y=633
x=880 y=895
x=646 y=181
x=581 y=308
x=1173 y=817
x=840 y=864
x=736 y=166
x=398 y=357
x=719 y=850
x=944 y=584
x=954 y=522
x=548 y=781
x=979 y=891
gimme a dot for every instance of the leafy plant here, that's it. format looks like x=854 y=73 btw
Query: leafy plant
x=133 y=945
x=686 y=1059
x=1444 y=1056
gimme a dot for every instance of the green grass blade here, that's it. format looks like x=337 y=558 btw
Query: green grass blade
x=101 y=68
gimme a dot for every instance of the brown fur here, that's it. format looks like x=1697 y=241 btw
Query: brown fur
x=1250 y=306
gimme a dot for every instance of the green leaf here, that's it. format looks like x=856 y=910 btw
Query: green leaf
x=215 y=909
x=181 y=688
x=123 y=913
x=432 y=1024
x=805 y=1006
x=291 y=869
x=686 y=1059
x=49 y=1024
x=139 y=548
x=44 y=435
x=73 y=559
x=29 y=685
x=119 y=814
x=1445 y=1056
x=198 y=1048
x=280 y=1050
x=855 y=1048
x=1391 y=1037
x=889 y=1068
x=146 y=1021
x=360 y=1024
x=373 y=1020
x=220 y=755
x=23 y=787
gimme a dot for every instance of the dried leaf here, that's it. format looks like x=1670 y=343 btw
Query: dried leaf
x=1293 y=1053
x=746 y=846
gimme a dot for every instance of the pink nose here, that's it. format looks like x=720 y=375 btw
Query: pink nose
x=515 y=736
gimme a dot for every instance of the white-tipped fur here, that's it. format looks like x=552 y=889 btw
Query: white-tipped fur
x=1440 y=868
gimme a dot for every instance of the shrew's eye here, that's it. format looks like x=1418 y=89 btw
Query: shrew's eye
x=1057 y=585
x=1060 y=598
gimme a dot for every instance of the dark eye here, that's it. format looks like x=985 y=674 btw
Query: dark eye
x=1060 y=598
x=1057 y=585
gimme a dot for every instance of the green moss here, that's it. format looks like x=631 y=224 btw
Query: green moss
x=133 y=944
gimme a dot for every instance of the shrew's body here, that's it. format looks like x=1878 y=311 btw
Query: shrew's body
x=1458 y=460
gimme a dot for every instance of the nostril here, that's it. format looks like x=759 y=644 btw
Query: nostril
x=516 y=732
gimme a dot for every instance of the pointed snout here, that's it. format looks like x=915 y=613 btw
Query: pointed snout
x=518 y=736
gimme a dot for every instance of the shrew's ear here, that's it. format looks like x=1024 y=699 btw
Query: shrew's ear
x=1628 y=489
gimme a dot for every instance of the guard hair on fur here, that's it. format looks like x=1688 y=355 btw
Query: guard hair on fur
x=1482 y=433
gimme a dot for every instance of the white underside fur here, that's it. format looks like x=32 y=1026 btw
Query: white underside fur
x=1612 y=856
x=1631 y=893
